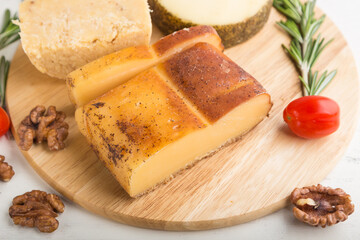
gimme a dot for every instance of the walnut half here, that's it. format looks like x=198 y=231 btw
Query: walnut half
x=41 y=125
x=6 y=171
x=321 y=206
x=37 y=209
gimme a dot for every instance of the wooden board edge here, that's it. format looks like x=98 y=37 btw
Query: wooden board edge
x=162 y=225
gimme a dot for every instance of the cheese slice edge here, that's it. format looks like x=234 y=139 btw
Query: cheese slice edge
x=195 y=146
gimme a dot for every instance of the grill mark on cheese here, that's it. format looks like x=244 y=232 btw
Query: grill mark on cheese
x=160 y=70
x=195 y=72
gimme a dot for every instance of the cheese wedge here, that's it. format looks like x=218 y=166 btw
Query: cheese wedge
x=60 y=36
x=101 y=75
x=235 y=20
x=172 y=115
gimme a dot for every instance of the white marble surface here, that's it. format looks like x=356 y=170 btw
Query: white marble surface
x=77 y=223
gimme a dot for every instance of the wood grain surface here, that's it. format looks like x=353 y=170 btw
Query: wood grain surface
x=244 y=181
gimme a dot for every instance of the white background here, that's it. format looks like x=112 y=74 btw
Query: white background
x=77 y=223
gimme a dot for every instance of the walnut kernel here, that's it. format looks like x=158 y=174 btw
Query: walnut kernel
x=37 y=209
x=6 y=171
x=41 y=125
x=321 y=206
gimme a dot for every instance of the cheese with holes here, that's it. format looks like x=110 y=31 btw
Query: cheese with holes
x=101 y=75
x=172 y=115
x=60 y=36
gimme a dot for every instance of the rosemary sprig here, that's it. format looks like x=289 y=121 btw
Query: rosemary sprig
x=4 y=70
x=8 y=34
x=304 y=49
x=9 y=31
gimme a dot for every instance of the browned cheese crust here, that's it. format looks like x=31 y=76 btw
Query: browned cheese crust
x=211 y=81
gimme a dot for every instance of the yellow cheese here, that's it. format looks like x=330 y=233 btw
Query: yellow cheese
x=168 y=117
x=60 y=36
x=213 y=12
x=101 y=75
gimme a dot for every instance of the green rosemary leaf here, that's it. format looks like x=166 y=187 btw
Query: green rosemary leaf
x=9 y=31
x=323 y=46
x=292 y=11
x=312 y=80
x=290 y=27
x=296 y=5
x=295 y=48
x=308 y=51
x=4 y=70
x=5 y=20
x=305 y=20
x=314 y=27
x=293 y=53
x=314 y=54
x=305 y=84
x=293 y=15
x=316 y=82
x=324 y=82
x=319 y=50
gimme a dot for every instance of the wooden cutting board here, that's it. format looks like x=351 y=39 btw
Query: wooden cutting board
x=244 y=181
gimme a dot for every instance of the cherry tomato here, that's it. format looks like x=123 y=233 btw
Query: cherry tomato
x=312 y=116
x=4 y=122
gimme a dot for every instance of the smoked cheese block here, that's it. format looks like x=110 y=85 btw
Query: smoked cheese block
x=168 y=117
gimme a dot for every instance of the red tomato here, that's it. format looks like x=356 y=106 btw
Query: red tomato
x=312 y=116
x=4 y=122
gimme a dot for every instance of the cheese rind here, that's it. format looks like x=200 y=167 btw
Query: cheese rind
x=101 y=75
x=61 y=36
x=148 y=128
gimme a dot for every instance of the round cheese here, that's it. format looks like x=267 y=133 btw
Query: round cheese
x=61 y=36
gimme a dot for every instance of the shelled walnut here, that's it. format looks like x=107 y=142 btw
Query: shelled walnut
x=321 y=206
x=39 y=126
x=6 y=171
x=37 y=209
